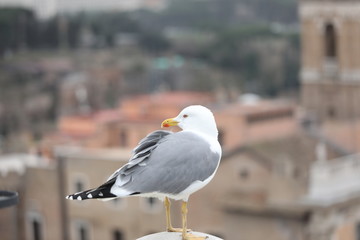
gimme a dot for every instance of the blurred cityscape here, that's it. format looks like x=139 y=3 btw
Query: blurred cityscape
x=82 y=81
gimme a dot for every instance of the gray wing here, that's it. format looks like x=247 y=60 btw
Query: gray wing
x=176 y=161
x=125 y=174
x=140 y=155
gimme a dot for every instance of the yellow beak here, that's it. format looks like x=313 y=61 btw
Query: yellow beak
x=169 y=122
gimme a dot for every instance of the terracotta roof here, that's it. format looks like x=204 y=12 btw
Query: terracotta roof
x=86 y=125
x=108 y=115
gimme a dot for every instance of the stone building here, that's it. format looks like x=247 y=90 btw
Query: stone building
x=256 y=186
x=127 y=218
x=44 y=213
x=39 y=206
x=330 y=66
x=242 y=124
x=330 y=78
x=334 y=199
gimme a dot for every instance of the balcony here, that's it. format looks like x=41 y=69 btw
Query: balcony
x=334 y=180
x=331 y=69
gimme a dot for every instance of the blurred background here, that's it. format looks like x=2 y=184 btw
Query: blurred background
x=82 y=81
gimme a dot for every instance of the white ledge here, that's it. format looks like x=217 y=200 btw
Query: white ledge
x=175 y=236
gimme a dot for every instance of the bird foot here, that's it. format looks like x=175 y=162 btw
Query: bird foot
x=189 y=236
x=172 y=229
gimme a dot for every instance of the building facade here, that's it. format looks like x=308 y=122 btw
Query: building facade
x=334 y=199
x=330 y=71
x=252 y=189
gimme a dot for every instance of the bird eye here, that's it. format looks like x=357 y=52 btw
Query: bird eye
x=185 y=116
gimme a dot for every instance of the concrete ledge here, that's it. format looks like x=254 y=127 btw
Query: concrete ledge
x=175 y=236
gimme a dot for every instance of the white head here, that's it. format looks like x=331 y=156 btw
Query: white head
x=194 y=118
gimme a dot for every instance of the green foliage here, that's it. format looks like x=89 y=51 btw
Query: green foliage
x=19 y=28
x=211 y=14
x=249 y=52
x=153 y=41
x=16 y=25
x=229 y=50
x=215 y=14
x=108 y=24
x=239 y=36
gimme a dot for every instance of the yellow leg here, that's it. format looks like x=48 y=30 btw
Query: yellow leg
x=185 y=234
x=169 y=227
x=184 y=212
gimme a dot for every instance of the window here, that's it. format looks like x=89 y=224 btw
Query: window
x=80 y=182
x=330 y=41
x=244 y=173
x=82 y=230
x=79 y=186
x=83 y=233
x=117 y=235
x=151 y=204
x=118 y=203
x=331 y=112
x=36 y=226
x=36 y=229
x=266 y=116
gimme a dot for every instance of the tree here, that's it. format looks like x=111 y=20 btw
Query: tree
x=16 y=28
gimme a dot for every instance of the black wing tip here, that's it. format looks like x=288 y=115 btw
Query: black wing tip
x=75 y=196
x=71 y=197
x=90 y=194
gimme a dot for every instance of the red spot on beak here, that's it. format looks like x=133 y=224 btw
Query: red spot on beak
x=166 y=125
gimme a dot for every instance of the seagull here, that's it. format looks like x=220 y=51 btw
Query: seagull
x=168 y=165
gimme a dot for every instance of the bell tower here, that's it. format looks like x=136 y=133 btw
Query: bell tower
x=330 y=64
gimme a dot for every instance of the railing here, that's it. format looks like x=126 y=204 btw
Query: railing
x=336 y=177
x=335 y=165
x=331 y=68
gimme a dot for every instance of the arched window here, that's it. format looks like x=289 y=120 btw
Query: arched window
x=330 y=41
x=82 y=230
x=79 y=185
x=83 y=233
x=117 y=235
x=151 y=202
x=36 y=226
x=151 y=205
